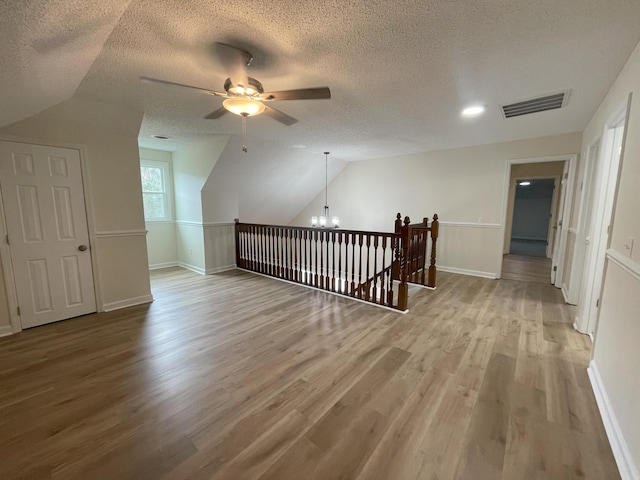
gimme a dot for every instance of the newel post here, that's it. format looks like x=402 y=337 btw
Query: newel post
x=237 y=235
x=434 y=238
x=403 y=288
x=395 y=264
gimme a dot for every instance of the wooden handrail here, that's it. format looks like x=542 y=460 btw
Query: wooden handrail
x=372 y=266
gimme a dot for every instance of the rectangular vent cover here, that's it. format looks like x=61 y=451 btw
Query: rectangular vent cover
x=539 y=104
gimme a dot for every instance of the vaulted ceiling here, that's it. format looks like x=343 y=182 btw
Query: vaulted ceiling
x=399 y=71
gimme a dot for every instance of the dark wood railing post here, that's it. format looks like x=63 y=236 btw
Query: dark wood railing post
x=432 y=265
x=237 y=238
x=403 y=288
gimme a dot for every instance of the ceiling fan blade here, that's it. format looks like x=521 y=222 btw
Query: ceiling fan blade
x=235 y=61
x=174 y=84
x=216 y=113
x=298 y=94
x=279 y=116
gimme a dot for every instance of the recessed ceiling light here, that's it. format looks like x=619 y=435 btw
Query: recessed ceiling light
x=524 y=184
x=473 y=110
x=299 y=146
x=161 y=137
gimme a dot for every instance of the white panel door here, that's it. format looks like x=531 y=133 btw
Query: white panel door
x=46 y=219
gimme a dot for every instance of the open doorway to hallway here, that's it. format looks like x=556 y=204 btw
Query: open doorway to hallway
x=534 y=208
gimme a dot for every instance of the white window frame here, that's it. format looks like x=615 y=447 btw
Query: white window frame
x=168 y=194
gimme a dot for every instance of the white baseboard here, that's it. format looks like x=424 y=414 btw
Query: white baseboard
x=193 y=268
x=628 y=470
x=6 y=330
x=224 y=268
x=464 y=271
x=157 y=266
x=129 y=302
x=563 y=289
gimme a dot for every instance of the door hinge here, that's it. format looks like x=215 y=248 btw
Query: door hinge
x=7 y=238
x=560 y=223
x=566 y=175
x=597 y=303
x=18 y=309
x=555 y=268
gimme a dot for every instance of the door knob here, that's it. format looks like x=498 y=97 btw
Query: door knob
x=82 y=248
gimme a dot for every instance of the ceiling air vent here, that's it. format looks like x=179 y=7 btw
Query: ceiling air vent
x=539 y=104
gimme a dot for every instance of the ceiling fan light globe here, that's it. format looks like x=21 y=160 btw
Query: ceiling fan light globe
x=245 y=107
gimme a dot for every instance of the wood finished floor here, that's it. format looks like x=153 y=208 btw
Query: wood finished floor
x=525 y=268
x=236 y=376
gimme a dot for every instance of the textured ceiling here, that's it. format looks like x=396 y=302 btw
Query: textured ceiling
x=399 y=72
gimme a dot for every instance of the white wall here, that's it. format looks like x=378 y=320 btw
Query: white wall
x=464 y=186
x=191 y=169
x=616 y=356
x=109 y=134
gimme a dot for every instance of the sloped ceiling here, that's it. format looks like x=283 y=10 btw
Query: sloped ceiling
x=46 y=49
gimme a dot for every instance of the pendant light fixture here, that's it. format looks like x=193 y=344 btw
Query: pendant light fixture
x=323 y=220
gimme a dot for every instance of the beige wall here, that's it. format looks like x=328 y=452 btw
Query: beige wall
x=616 y=355
x=465 y=186
x=109 y=134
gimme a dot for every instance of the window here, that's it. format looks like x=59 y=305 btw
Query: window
x=156 y=191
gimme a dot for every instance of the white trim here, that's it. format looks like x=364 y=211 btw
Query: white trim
x=157 y=266
x=224 y=268
x=218 y=224
x=470 y=225
x=565 y=295
x=628 y=470
x=156 y=222
x=465 y=271
x=628 y=265
x=121 y=233
x=9 y=279
x=187 y=223
x=6 y=330
x=402 y=312
x=129 y=302
x=193 y=268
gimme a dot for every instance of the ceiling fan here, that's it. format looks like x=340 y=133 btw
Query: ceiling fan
x=244 y=95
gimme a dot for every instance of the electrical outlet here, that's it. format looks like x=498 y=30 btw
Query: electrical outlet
x=480 y=219
x=628 y=246
x=191 y=251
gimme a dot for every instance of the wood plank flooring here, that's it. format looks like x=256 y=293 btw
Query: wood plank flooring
x=236 y=376
x=526 y=268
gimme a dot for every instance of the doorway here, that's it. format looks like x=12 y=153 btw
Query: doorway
x=533 y=216
x=534 y=235
x=47 y=233
x=600 y=211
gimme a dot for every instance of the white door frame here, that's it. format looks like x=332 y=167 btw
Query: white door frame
x=565 y=214
x=5 y=250
x=588 y=185
x=599 y=238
